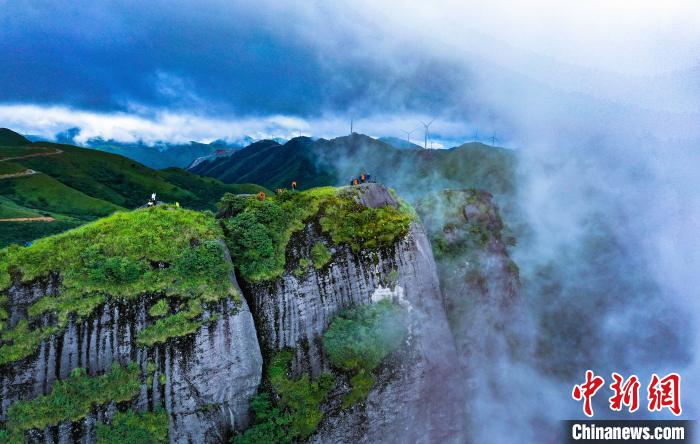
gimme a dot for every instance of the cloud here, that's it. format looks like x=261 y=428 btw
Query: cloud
x=157 y=125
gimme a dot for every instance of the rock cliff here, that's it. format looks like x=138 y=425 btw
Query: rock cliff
x=204 y=380
x=199 y=355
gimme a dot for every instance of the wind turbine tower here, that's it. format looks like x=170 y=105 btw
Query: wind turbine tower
x=427 y=128
x=408 y=134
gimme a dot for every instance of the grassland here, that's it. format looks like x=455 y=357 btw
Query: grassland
x=79 y=185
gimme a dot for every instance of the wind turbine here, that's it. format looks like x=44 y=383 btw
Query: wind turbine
x=408 y=134
x=427 y=128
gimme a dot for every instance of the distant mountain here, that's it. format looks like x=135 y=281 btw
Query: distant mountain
x=164 y=155
x=75 y=185
x=399 y=143
x=11 y=138
x=335 y=162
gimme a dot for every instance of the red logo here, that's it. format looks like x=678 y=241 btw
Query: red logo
x=625 y=394
x=662 y=392
x=586 y=391
x=665 y=393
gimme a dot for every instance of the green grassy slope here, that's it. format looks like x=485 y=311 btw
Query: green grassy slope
x=11 y=138
x=273 y=165
x=332 y=162
x=46 y=194
x=76 y=185
x=9 y=209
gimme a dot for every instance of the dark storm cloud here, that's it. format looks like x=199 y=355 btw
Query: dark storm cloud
x=210 y=56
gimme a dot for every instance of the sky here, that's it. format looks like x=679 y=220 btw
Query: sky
x=184 y=70
x=600 y=99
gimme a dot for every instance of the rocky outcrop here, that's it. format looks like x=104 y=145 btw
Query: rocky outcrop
x=416 y=398
x=204 y=381
x=481 y=286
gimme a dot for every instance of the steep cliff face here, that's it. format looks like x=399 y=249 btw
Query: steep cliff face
x=203 y=380
x=191 y=345
x=479 y=280
x=486 y=313
x=415 y=397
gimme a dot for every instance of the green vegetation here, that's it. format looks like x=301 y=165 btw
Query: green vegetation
x=44 y=193
x=11 y=138
x=356 y=342
x=301 y=269
x=272 y=165
x=320 y=255
x=359 y=339
x=72 y=399
x=163 y=250
x=258 y=231
x=270 y=423
x=206 y=190
x=10 y=168
x=322 y=162
x=135 y=428
x=364 y=228
x=298 y=412
x=78 y=185
x=21 y=341
x=452 y=234
x=181 y=323
x=160 y=308
x=360 y=384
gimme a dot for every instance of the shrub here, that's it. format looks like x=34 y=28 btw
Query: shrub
x=258 y=231
x=298 y=412
x=320 y=255
x=364 y=228
x=359 y=339
x=72 y=399
x=270 y=424
x=135 y=428
x=160 y=308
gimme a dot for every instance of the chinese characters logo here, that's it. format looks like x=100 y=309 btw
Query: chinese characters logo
x=662 y=393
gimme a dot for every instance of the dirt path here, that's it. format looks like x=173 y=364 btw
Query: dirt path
x=29 y=219
x=27 y=172
x=46 y=153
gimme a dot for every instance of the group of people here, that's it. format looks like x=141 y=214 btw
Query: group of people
x=362 y=178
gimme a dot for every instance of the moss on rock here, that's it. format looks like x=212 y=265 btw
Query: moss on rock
x=73 y=398
x=135 y=428
x=165 y=251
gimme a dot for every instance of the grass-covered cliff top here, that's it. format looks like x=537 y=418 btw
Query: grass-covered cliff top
x=166 y=251
x=159 y=249
x=258 y=231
